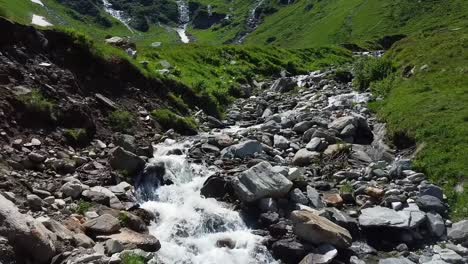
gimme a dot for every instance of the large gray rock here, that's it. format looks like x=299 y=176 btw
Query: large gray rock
x=385 y=217
x=304 y=157
x=104 y=224
x=459 y=232
x=123 y=160
x=29 y=237
x=104 y=196
x=283 y=85
x=261 y=181
x=72 y=189
x=400 y=260
x=132 y=240
x=242 y=150
x=303 y=126
x=314 y=197
x=429 y=203
x=280 y=142
x=127 y=142
x=319 y=230
x=322 y=255
x=436 y=224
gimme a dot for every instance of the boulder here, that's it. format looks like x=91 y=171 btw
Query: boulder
x=400 y=260
x=283 y=85
x=30 y=238
x=123 y=160
x=242 y=150
x=104 y=224
x=216 y=187
x=436 y=224
x=385 y=217
x=133 y=240
x=314 y=197
x=429 y=203
x=303 y=126
x=280 y=142
x=261 y=181
x=458 y=233
x=319 y=230
x=304 y=157
x=289 y=251
x=125 y=141
x=104 y=196
x=322 y=255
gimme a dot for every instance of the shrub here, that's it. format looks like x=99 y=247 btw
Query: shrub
x=167 y=119
x=132 y=259
x=122 y=121
x=368 y=70
x=83 y=207
x=77 y=136
x=346 y=188
x=35 y=102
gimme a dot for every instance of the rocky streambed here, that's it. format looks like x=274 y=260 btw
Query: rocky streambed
x=299 y=172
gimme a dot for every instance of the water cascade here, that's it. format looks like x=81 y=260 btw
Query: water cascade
x=184 y=18
x=117 y=14
x=191 y=228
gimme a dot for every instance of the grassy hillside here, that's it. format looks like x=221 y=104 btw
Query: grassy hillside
x=308 y=23
x=431 y=106
x=221 y=70
x=62 y=16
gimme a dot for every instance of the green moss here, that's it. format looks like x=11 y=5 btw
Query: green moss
x=132 y=259
x=76 y=136
x=35 y=102
x=168 y=119
x=124 y=219
x=179 y=103
x=121 y=120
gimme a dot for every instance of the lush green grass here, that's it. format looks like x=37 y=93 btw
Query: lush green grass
x=432 y=106
x=220 y=69
x=35 y=102
x=307 y=23
x=122 y=120
x=168 y=119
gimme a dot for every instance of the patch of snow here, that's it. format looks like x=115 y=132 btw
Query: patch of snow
x=40 y=21
x=38 y=2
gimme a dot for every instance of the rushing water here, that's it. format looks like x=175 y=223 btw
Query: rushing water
x=191 y=228
x=184 y=18
x=252 y=21
x=117 y=14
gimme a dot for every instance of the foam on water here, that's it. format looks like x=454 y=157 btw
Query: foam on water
x=39 y=2
x=189 y=226
x=117 y=14
x=184 y=19
x=40 y=21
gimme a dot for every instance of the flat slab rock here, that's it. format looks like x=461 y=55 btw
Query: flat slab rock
x=386 y=217
x=318 y=230
x=133 y=240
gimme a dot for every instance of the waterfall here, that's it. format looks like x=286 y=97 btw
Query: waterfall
x=252 y=22
x=117 y=14
x=184 y=18
x=191 y=228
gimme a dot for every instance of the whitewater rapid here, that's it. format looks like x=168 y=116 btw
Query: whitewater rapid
x=184 y=19
x=193 y=229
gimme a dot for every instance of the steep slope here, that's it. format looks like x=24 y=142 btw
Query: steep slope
x=308 y=23
x=427 y=101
